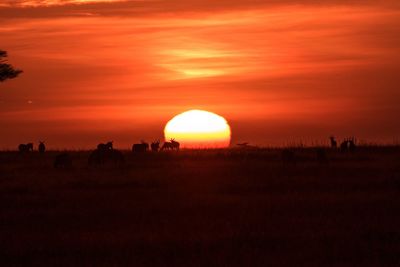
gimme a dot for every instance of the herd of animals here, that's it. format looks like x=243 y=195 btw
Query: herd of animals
x=105 y=152
x=347 y=145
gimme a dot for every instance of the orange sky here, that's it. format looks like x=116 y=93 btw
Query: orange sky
x=278 y=71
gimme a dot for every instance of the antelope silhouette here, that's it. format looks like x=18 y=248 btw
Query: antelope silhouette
x=155 y=146
x=42 y=147
x=172 y=145
x=106 y=146
x=25 y=147
x=175 y=144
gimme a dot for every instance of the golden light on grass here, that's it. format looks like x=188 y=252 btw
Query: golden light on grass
x=199 y=129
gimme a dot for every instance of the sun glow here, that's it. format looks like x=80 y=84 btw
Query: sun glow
x=199 y=129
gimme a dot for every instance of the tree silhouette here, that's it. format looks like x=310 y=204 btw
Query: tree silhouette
x=7 y=71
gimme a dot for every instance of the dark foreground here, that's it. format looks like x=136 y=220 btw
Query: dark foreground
x=202 y=208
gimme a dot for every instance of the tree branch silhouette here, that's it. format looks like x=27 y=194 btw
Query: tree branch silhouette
x=7 y=71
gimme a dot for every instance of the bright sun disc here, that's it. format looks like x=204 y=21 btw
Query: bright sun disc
x=199 y=129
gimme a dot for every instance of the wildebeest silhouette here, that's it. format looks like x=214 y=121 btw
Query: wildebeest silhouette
x=155 y=146
x=63 y=160
x=172 y=145
x=106 y=146
x=42 y=147
x=288 y=156
x=142 y=147
x=100 y=157
x=333 y=142
x=322 y=157
x=25 y=147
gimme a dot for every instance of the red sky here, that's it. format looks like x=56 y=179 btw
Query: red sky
x=279 y=71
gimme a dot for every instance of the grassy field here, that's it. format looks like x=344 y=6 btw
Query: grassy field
x=202 y=208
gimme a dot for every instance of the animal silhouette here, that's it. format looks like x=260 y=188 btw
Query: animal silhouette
x=142 y=147
x=348 y=145
x=42 y=147
x=25 y=147
x=100 y=157
x=63 y=161
x=106 y=146
x=333 y=142
x=155 y=146
x=175 y=144
x=352 y=144
x=167 y=146
x=172 y=145
x=344 y=146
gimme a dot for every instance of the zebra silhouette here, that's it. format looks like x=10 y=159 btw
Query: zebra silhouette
x=106 y=146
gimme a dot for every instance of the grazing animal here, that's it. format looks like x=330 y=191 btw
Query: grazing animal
x=155 y=146
x=167 y=146
x=288 y=156
x=175 y=144
x=172 y=145
x=42 y=147
x=106 y=146
x=142 y=147
x=25 y=147
x=333 y=142
x=322 y=157
x=62 y=161
x=100 y=157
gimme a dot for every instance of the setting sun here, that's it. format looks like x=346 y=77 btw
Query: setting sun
x=199 y=129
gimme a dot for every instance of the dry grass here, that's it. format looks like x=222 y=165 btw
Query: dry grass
x=202 y=208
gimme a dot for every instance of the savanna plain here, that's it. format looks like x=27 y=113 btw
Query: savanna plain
x=229 y=207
